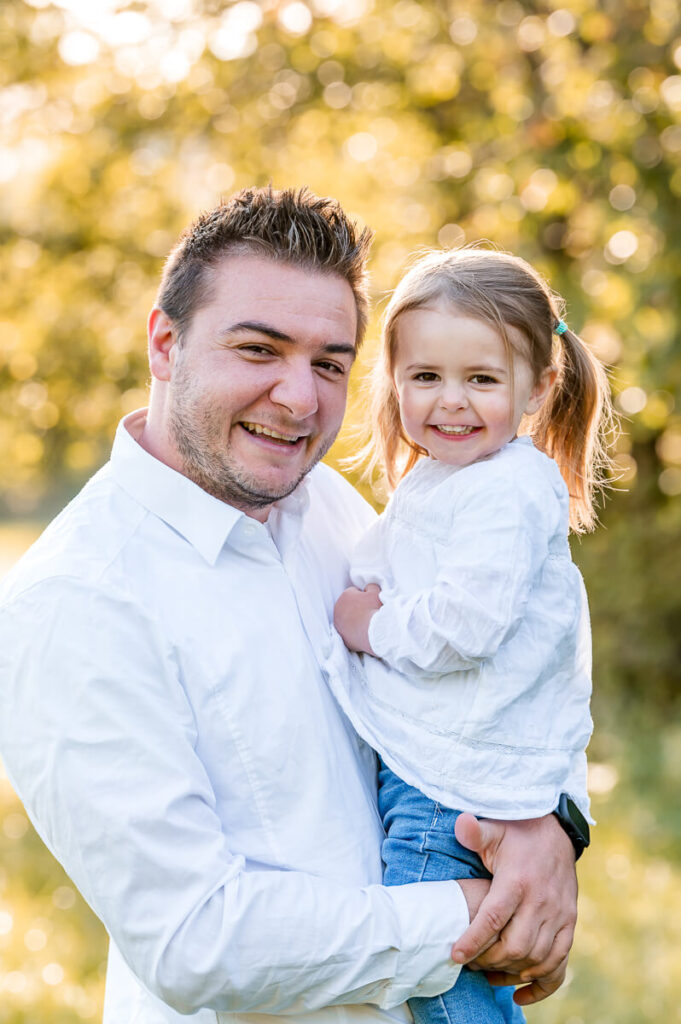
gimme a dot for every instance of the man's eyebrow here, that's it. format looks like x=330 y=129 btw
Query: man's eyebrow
x=256 y=327
x=341 y=348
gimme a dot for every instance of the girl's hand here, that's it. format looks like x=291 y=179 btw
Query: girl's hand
x=352 y=615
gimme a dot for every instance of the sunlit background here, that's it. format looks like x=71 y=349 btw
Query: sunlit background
x=552 y=129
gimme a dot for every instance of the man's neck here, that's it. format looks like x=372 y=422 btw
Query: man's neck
x=155 y=442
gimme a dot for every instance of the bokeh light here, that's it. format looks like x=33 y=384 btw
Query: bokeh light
x=550 y=130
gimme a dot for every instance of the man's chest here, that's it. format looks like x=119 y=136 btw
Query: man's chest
x=245 y=639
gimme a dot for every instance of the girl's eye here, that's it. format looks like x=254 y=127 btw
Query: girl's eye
x=483 y=378
x=426 y=376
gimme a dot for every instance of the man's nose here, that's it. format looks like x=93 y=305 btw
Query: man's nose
x=296 y=391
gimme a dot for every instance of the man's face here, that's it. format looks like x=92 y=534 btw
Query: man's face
x=258 y=386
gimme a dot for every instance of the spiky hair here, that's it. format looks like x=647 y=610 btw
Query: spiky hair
x=289 y=226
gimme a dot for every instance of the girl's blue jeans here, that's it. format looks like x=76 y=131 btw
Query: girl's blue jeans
x=420 y=846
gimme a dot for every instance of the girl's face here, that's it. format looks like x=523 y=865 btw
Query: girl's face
x=459 y=398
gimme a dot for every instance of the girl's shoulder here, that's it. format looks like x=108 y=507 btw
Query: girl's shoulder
x=515 y=466
x=518 y=464
x=515 y=463
x=518 y=479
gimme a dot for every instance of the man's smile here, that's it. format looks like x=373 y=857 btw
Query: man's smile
x=259 y=429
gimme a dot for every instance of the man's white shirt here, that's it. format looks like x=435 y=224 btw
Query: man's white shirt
x=166 y=724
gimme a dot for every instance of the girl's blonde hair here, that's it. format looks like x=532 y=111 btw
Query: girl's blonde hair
x=504 y=291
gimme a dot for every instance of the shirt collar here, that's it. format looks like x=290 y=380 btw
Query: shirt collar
x=200 y=518
x=204 y=521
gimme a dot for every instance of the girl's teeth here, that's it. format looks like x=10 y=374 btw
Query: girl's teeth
x=455 y=430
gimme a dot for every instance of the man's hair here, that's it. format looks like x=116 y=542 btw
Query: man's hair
x=289 y=226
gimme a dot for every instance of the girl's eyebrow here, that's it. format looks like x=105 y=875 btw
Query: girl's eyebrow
x=473 y=368
x=484 y=368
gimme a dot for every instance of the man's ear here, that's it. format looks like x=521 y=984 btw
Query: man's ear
x=541 y=390
x=162 y=335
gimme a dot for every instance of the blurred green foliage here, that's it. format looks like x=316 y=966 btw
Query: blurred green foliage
x=52 y=948
x=552 y=128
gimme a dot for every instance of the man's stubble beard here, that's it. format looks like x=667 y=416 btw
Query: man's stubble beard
x=196 y=428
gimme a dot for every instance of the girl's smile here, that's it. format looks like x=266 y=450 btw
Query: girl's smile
x=459 y=398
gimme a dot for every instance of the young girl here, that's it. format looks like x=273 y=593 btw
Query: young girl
x=490 y=412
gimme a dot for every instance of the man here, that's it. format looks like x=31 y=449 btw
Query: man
x=164 y=717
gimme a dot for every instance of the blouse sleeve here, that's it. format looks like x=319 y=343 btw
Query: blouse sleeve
x=499 y=540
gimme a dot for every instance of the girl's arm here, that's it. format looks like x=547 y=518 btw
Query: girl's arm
x=485 y=575
x=352 y=614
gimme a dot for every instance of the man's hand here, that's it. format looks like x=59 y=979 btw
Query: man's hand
x=474 y=890
x=524 y=927
x=353 y=613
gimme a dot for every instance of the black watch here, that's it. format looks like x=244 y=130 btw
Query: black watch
x=574 y=823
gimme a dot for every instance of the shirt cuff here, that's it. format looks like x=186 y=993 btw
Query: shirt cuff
x=381 y=631
x=432 y=916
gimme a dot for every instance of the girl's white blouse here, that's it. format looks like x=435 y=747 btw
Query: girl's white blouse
x=479 y=693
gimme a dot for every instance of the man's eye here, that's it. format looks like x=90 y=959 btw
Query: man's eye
x=256 y=350
x=334 y=368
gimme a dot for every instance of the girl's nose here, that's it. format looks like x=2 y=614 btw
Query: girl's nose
x=453 y=396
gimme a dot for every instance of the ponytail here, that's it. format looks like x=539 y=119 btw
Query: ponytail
x=574 y=426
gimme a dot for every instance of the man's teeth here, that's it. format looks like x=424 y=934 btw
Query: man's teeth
x=257 y=428
x=455 y=430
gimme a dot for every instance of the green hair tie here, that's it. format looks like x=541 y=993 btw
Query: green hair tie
x=560 y=328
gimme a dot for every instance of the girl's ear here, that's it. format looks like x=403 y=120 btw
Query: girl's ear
x=541 y=390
